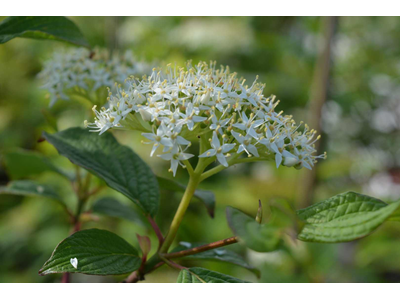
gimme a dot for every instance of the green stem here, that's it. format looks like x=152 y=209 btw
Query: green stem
x=219 y=168
x=189 y=167
x=233 y=161
x=250 y=159
x=187 y=196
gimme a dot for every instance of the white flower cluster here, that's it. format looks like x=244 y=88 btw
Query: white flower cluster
x=78 y=67
x=177 y=105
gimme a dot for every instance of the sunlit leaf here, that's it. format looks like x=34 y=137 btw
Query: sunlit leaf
x=98 y=252
x=344 y=217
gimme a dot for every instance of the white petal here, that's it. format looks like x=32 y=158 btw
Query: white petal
x=253 y=150
x=74 y=262
x=174 y=166
x=227 y=147
x=306 y=165
x=215 y=141
x=275 y=148
x=257 y=123
x=149 y=136
x=182 y=141
x=222 y=160
x=252 y=132
x=288 y=154
x=252 y=101
x=278 y=159
x=155 y=146
x=185 y=156
x=240 y=126
x=190 y=124
x=198 y=119
x=241 y=149
x=244 y=117
x=167 y=142
x=209 y=153
x=238 y=136
x=167 y=156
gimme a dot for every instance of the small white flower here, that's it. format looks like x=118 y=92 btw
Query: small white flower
x=175 y=156
x=159 y=138
x=218 y=124
x=249 y=125
x=245 y=144
x=218 y=150
x=190 y=118
x=74 y=262
x=278 y=147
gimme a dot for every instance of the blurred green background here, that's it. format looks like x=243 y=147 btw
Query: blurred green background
x=360 y=122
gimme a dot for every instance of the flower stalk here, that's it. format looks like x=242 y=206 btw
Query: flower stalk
x=187 y=196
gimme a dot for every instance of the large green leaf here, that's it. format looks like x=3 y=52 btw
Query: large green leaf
x=206 y=197
x=51 y=28
x=120 y=167
x=344 y=217
x=98 y=252
x=220 y=254
x=258 y=237
x=200 y=275
x=29 y=188
x=111 y=207
x=23 y=163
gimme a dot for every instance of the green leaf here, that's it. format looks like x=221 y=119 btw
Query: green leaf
x=206 y=197
x=23 y=163
x=99 y=252
x=120 y=167
x=258 y=237
x=29 y=188
x=344 y=217
x=111 y=207
x=50 y=28
x=220 y=254
x=200 y=275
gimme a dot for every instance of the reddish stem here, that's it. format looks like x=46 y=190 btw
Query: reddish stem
x=65 y=278
x=202 y=248
x=156 y=230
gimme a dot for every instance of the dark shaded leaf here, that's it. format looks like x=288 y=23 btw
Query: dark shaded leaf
x=23 y=163
x=220 y=254
x=50 y=28
x=200 y=275
x=111 y=207
x=120 y=167
x=258 y=237
x=29 y=188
